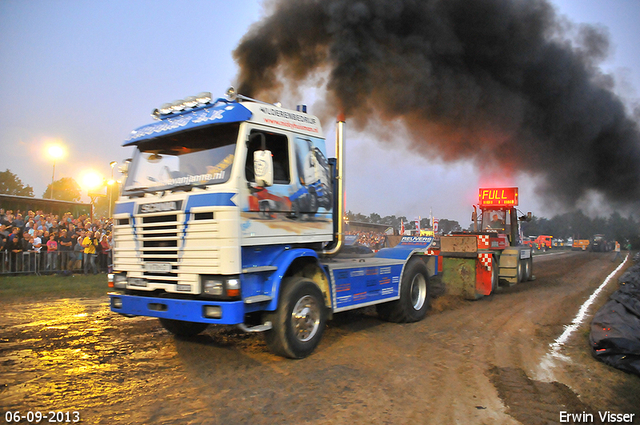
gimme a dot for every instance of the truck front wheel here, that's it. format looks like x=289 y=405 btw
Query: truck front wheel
x=299 y=321
x=414 y=296
x=183 y=329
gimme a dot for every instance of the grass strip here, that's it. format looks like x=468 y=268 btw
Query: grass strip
x=37 y=288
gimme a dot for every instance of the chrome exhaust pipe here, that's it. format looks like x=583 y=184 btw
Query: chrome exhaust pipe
x=338 y=237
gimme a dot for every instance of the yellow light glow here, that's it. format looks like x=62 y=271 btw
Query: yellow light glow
x=56 y=151
x=92 y=180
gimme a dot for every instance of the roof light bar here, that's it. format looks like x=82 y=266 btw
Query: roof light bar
x=190 y=102
x=165 y=109
x=177 y=106
x=181 y=105
x=204 y=98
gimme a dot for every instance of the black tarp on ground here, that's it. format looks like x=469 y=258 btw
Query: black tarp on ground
x=632 y=275
x=615 y=329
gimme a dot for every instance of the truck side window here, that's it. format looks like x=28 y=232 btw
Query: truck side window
x=279 y=147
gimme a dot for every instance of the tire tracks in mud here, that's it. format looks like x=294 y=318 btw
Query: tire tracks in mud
x=470 y=363
x=534 y=402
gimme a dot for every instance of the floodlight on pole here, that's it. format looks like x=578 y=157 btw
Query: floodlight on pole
x=55 y=152
x=91 y=181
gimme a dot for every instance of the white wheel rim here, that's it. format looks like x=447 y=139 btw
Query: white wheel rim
x=418 y=291
x=306 y=318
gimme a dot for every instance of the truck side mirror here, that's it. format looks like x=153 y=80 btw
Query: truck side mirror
x=124 y=168
x=263 y=167
x=527 y=217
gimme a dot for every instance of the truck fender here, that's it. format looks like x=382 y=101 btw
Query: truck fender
x=296 y=262
x=415 y=257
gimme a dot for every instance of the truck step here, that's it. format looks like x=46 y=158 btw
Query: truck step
x=259 y=328
x=257 y=299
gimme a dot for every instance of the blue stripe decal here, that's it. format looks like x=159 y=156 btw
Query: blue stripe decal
x=124 y=207
x=203 y=200
x=210 y=200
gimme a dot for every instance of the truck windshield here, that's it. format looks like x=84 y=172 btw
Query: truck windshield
x=494 y=220
x=194 y=158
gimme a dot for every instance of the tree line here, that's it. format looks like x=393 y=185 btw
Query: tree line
x=64 y=189
x=577 y=225
x=444 y=225
x=573 y=224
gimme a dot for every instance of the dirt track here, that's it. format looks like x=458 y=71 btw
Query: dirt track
x=479 y=362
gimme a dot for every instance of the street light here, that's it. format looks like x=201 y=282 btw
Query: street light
x=56 y=152
x=111 y=183
x=92 y=181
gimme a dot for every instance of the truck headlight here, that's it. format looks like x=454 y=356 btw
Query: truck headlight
x=117 y=280
x=212 y=286
x=221 y=286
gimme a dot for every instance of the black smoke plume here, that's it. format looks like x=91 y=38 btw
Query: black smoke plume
x=507 y=83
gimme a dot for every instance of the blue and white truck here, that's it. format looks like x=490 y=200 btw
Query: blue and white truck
x=232 y=215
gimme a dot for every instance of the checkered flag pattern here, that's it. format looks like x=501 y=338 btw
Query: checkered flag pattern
x=485 y=260
x=483 y=241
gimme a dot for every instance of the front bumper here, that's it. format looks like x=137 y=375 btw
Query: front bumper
x=232 y=312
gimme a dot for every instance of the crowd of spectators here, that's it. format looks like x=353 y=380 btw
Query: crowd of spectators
x=38 y=242
x=373 y=240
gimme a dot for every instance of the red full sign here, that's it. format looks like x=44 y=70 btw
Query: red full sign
x=499 y=197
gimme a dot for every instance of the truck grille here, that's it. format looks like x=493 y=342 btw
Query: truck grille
x=168 y=248
x=159 y=236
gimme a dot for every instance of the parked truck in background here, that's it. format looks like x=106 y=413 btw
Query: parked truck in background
x=475 y=262
x=580 y=244
x=599 y=243
x=232 y=215
x=542 y=242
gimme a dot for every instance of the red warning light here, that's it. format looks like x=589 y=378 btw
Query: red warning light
x=499 y=197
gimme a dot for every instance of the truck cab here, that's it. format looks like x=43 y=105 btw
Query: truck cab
x=231 y=214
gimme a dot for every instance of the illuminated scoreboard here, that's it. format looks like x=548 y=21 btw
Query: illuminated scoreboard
x=499 y=197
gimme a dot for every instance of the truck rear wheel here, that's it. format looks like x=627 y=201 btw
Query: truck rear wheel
x=183 y=329
x=414 y=296
x=299 y=321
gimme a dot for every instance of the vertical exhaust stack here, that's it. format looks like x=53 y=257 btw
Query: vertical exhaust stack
x=338 y=211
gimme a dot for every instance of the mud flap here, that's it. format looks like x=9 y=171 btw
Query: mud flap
x=484 y=268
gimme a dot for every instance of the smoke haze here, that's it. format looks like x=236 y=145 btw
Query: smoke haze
x=506 y=83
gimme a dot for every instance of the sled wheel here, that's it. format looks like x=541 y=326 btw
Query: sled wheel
x=183 y=329
x=495 y=278
x=414 y=296
x=528 y=269
x=520 y=271
x=299 y=321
